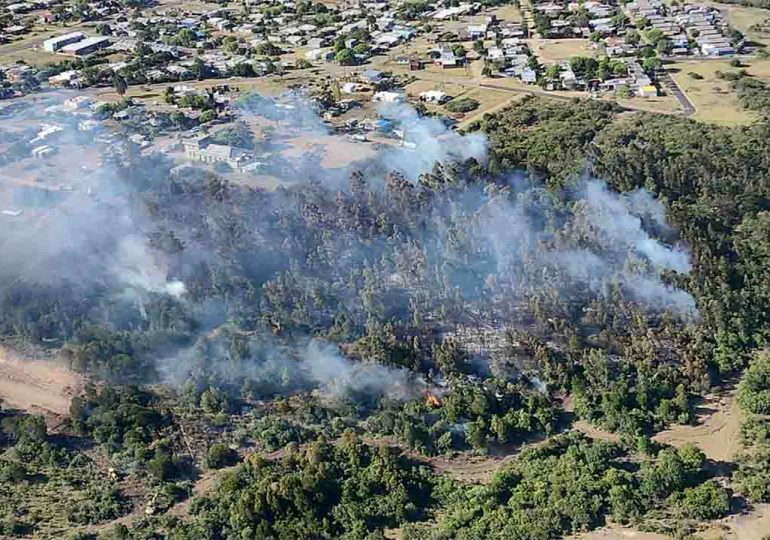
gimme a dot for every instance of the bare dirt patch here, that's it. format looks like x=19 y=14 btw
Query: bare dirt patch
x=594 y=432
x=717 y=429
x=618 y=533
x=752 y=525
x=333 y=152
x=36 y=385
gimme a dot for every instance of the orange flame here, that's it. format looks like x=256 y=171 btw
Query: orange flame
x=432 y=400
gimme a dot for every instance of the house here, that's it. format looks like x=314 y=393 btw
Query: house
x=317 y=42
x=388 y=97
x=70 y=78
x=648 y=90
x=372 y=76
x=495 y=53
x=477 y=31
x=717 y=49
x=352 y=88
x=319 y=54
x=16 y=30
x=528 y=76
x=446 y=58
x=40 y=152
x=436 y=97
x=415 y=63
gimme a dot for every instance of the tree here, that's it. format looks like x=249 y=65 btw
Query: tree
x=706 y=501
x=345 y=57
x=651 y=64
x=754 y=388
x=220 y=455
x=207 y=116
x=199 y=69
x=120 y=84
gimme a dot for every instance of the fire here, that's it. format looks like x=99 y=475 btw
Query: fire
x=432 y=400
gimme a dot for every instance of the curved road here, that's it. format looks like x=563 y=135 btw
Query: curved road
x=687 y=106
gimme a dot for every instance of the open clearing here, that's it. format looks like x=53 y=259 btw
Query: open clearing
x=550 y=51
x=717 y=430
x=333 y=152
x=753 y=525
x=36 y=386
x=714 y=99
x=614 y=532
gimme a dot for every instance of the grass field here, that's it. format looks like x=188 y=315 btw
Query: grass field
x=508 y=13
x=714 y=98
x=550 y=51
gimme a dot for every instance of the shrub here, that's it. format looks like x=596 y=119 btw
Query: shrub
x=220 y=455
x=462 y=105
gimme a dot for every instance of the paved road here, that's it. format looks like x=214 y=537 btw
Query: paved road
x=687 y=106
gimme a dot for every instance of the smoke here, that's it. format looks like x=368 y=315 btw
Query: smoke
x=337 y=376
x=300 y=255
x=430 y=140
x=619 y=222
x=275 y=368
x=78 y=222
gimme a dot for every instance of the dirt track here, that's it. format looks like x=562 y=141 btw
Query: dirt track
x=36 y=386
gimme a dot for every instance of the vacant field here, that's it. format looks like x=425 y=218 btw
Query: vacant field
x=659 y=104
x=332 y=151
x=508 y=13
x=714 y=98
x=551 y=51
x=269 y=86
x=490 y=100
x=418 y=86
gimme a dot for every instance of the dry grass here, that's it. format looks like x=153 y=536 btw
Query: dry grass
x=418 y=86
x=660 y=104
x=36 y=385
x=508 y=13
x=713 y=97
x=550 y=51
x=616 y=532
x=490 y=100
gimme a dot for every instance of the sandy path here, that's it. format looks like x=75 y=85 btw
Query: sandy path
x=36 y=385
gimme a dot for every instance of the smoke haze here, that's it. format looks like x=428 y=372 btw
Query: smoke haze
x=122 y=224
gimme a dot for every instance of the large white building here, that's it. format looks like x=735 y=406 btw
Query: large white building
x=86 y=46
x=55 y=43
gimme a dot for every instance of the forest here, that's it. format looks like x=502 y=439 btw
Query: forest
x=316 y=347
